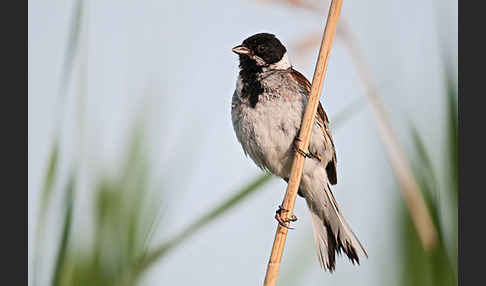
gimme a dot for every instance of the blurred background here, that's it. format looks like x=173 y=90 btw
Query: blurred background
x=136 y=176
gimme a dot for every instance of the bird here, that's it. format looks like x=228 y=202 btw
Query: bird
x=267 y=108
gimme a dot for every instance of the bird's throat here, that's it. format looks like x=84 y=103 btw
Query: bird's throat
x=252 y=87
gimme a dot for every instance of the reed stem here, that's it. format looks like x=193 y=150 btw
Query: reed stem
x=304 y=135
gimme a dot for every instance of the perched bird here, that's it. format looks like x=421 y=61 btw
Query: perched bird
x=267 y=109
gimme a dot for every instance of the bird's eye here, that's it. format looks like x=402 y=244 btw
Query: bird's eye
x=261 y=48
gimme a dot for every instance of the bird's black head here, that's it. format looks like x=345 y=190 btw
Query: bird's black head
x=258 y=51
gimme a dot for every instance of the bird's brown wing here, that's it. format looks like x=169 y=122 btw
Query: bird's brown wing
x=323 y=121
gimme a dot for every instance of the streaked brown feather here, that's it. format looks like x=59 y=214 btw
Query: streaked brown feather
x=323 y=121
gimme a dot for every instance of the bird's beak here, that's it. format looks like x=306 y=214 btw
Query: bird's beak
x=241 y=50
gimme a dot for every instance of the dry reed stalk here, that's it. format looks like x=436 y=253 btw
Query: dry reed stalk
x=400 y=165
x=304 y=134
x=410 y=190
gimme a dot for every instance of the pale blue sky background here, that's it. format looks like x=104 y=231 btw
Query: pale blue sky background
x=176 y=57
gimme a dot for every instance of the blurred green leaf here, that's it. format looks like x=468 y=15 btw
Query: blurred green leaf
x=125 y=211
x=54 y=153
x=453 y=133
x=46 y=193
x=419 y=267
x=49 y=178
x=439 y=266
x=62 y=251
x=453 y=151
x=202 y=221
x=72 y=47
x=426 y=169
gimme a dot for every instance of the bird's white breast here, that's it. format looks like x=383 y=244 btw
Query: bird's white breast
x=266 y=132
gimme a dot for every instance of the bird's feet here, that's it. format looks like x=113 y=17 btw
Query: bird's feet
x=283 y=222
x=297 y=149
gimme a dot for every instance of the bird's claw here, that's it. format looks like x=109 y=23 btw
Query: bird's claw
x=283 y=222
x=300 y=151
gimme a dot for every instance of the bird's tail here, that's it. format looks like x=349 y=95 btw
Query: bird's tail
x=331 y=232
